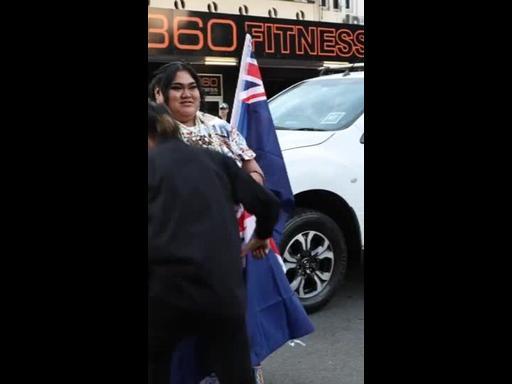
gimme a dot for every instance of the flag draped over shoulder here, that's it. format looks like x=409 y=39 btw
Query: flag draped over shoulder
x=274 y=312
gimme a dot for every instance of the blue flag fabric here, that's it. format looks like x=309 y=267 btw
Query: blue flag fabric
x=251 y=116
x=274 y=312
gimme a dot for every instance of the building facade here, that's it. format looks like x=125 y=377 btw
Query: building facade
x=292 y=40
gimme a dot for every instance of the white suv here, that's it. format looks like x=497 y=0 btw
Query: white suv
x=320 y=127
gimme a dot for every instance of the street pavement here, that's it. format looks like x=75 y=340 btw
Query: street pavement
x=333 y=354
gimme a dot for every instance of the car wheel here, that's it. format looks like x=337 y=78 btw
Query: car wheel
x=315 y=257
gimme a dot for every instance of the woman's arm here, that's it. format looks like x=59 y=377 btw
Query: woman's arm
x=239 y=147
x=253 y=169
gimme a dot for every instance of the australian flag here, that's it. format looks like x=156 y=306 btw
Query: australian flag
x=274 y=314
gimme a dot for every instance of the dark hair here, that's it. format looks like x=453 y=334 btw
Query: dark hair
x=165 y=75
x=160 y=122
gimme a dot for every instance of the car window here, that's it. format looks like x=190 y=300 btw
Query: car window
x=324 y=105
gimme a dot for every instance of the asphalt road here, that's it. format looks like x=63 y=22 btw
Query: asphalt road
x=334 y=352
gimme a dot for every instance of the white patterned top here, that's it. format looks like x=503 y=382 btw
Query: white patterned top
x=216 y=134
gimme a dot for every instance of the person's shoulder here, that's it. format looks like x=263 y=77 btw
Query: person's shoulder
x=199 y=152
x=214 y=156
x=214 y=121
x=209 y=153
x=223 y=161
x=168 y=149
x=209 y=119
x=164 y=145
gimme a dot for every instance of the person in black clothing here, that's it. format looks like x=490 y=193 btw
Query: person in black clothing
x=196 y=285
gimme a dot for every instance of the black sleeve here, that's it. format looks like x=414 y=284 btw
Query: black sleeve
x=152 y=180
x=256 y=199
x=154 y=251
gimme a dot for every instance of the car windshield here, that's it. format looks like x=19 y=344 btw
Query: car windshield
x=320 y=105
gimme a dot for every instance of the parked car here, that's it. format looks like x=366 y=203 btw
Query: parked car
x=320 y=128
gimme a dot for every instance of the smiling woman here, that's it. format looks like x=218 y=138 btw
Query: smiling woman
x=177 y=85
x=184 y=98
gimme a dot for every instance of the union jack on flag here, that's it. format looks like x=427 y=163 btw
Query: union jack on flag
x=249 y=89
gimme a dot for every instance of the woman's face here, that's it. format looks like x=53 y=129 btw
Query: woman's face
x=184 y=98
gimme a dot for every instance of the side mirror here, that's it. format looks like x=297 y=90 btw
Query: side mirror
x=362 y=139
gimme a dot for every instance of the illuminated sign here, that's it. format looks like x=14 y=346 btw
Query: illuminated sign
x=211 y=84
x=186 y=33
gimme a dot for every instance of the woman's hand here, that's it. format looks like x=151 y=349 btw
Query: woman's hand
x=258 y=247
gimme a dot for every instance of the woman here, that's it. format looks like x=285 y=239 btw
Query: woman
x=177 y=86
